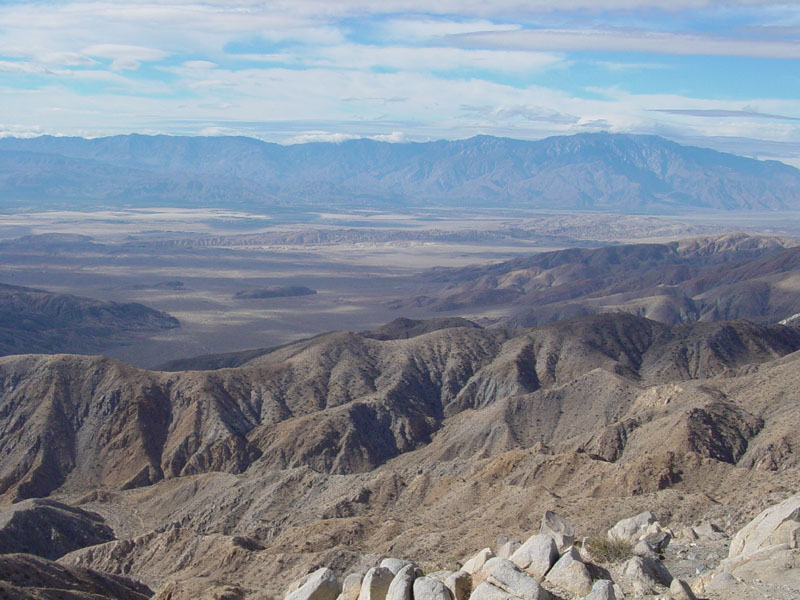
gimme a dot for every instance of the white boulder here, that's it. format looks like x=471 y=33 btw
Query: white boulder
x=603 y=589
x=504 y=574
x=319 y=585
x=569 y=573
x=428 y=588
x=559 y=529
x=536 y=556
x=401 y=586
x=376 y=584
x=633 y=528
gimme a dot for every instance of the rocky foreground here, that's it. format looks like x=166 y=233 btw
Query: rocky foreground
x=763 y=560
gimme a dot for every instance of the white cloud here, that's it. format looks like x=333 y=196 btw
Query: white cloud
x=68 y=59
x=434 y=59
x=124 y=57
x=7 y=66
x=22 y=131
x=427 y=29
x=629 y=40
x=394 y=137
x=631 y=66
x=199 y=64
x=321 y=136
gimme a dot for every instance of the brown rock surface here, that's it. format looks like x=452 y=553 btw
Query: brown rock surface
x=27 y=576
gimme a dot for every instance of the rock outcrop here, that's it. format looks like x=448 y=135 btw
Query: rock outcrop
x=766 y=549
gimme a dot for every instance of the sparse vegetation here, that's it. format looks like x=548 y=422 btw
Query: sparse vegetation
x=608 y=550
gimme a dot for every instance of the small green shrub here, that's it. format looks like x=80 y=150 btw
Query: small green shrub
x=604 y=549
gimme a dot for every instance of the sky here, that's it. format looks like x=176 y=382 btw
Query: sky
x=718 y=74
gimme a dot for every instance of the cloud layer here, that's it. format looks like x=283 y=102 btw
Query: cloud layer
x=405 y=69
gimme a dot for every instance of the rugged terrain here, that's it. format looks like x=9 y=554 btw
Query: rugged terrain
x=420 y=440
x=608 y=172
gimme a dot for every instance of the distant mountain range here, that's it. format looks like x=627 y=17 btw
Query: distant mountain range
x=607 y=172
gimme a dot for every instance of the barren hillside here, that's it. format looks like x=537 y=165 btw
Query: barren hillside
x=424 y=444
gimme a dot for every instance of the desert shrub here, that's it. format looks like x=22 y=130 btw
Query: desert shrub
x=453 y=564
x=604 y=549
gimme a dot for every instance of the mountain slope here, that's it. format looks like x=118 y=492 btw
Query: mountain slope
x=339 y=403
x=23 y=577
x=623 y=173
x=34 y=320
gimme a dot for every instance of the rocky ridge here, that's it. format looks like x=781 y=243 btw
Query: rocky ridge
x=345 y=403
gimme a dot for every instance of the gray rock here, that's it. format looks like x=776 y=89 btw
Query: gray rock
x=536 y=556
x=570 y=574
x=722 y=582
x=632 y=528
x=319 y=585
x=680 y=590
x=395 y=564
x=507 y=576
x=658 y=541
x=709 y=532
x=376 y=584
x=642 y=548
x=772 y=527
x=487 y=591
x=501 y=540
x=646 y=573
x=559 y=529
x=459 y=584
x=506 y=547
x=351 y=586
x=603 y=589
x=297 y=584
x=776 y=565
x=428 y=588
x=618 y=592
x=794 y=538
x=475 y=564
x=403 y=583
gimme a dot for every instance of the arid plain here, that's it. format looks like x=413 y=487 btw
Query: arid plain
x=192 y=263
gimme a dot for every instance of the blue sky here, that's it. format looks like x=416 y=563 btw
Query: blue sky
x=719 y=74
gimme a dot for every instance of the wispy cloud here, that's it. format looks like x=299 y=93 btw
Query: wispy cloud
x=124 y=56
x=630 y=40
x=717 y=113
x=303 y=70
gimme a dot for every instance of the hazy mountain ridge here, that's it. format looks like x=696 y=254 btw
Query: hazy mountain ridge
x=727 y=277
x=626 y=173
x=34 y=320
